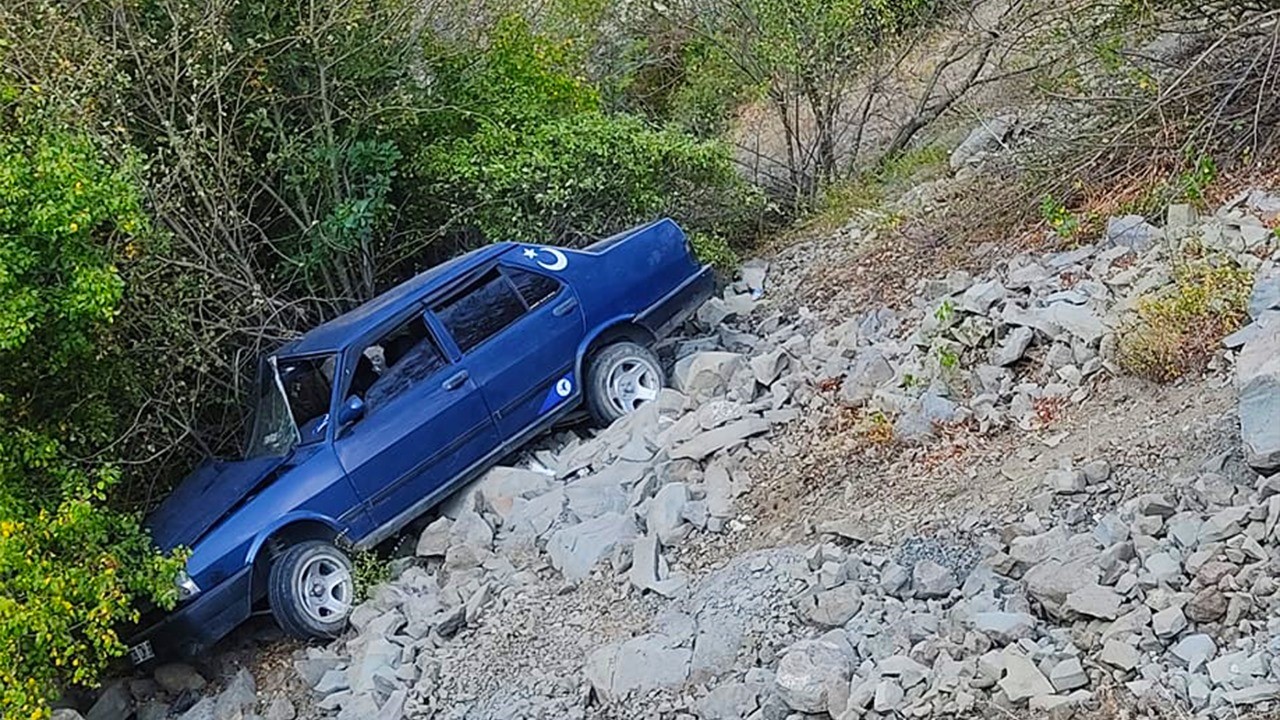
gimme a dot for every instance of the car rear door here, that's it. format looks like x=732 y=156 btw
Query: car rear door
x=518 y=331
x=424 y=422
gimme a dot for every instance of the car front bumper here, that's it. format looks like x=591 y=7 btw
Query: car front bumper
x=198 y=624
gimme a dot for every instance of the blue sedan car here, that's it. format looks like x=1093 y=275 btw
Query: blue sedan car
x=369 y=420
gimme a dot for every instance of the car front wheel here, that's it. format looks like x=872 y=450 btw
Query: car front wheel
x=622 y=377
x=312 y=590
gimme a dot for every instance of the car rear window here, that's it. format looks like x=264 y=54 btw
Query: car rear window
x=480 y=311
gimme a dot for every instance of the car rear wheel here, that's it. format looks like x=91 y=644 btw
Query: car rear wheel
x=312 y=590
x=620 y=378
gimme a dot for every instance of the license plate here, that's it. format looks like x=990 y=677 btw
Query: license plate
x=141 y=653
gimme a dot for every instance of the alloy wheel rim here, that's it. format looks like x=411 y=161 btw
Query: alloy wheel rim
x=632 y=382
x=325 y=588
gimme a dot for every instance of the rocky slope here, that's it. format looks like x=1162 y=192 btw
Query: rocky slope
x=630 y=572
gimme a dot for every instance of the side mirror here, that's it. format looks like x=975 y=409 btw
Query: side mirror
x=352 y=410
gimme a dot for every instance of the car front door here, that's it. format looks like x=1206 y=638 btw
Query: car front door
x=424 y=422
x=518 y=331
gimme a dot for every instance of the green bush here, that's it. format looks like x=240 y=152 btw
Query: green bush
x=534 y=157
x=581 y=176
x=70 y=567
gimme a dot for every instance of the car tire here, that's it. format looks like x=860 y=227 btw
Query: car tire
x=311 y=590
x=620 y=378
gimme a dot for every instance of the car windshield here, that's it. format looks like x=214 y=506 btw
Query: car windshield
x=292 y=404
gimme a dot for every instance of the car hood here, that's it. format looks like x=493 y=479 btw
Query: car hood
x=205 y=497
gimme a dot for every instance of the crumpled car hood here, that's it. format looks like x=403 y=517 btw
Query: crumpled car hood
x=205 y=497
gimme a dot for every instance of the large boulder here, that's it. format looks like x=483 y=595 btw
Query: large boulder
x=987 y=138
x=576 y=549
x=811 y=670
x=1258 y=385
x=706 y=374
x=638 y=665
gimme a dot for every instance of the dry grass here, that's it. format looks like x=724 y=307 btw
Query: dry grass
x=1177 y=329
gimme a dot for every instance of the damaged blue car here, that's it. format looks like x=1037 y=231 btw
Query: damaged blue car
x=369 y=420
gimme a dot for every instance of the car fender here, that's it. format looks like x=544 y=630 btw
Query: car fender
x=585 y=346
x=286 y=520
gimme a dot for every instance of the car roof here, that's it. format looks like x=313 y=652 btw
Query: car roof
x=335 y=334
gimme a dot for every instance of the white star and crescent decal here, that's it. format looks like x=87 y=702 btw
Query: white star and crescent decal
x=558 y=259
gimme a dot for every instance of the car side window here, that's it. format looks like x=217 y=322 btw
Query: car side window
x=395 y=362
x=535 y=289
x=481 y=310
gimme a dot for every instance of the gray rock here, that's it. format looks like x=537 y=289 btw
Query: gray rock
x=1164 y=568
x=69 y=714
x=240 y=695
x=1266 y=293
x=576 y=549
x=706 y=443
x=713 y=312
x=638 y=665
x=205 y=709
x=870 y=370
x=595 y=495
x=1052 y=580
x=176 y=677
x=648 y=569
x=769 y=366
x=809 y=671
x=113 y=704
x=1225 y=524
x=754 y=272
x=981 y=297
x=1023 y=680
x=832 y=608
x=1078 y=320
x=1131 y=231
x=1120 y=654
x=1258 y=388
x=1013 y=347
x=666 y=513
x=434 y=540
x=1068 y=675
x=932 y=580
x=1005 y=627
x=893 y=578
x=280 y=709
x=1065 y=481
x=1254 y=694
x=729 y=701
x=888 y=697
x=909 y=672
x=1236 y=668
x=1156 y=504
x=987 y=137
x=379 y=655
x=332 y=681
x=1195 y=650
x=704 y=375
x=1168 y=622
x=1094 y=601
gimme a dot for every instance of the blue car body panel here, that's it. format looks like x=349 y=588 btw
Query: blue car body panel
x=364 y=481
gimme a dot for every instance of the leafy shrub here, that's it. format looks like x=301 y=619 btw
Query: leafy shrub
x=714 y=250
x=1176 y=331
x=369 y=570
x=70 y=567
x=533 y=157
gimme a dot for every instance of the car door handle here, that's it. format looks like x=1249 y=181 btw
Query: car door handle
x=456 y=381
x=565 y=307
